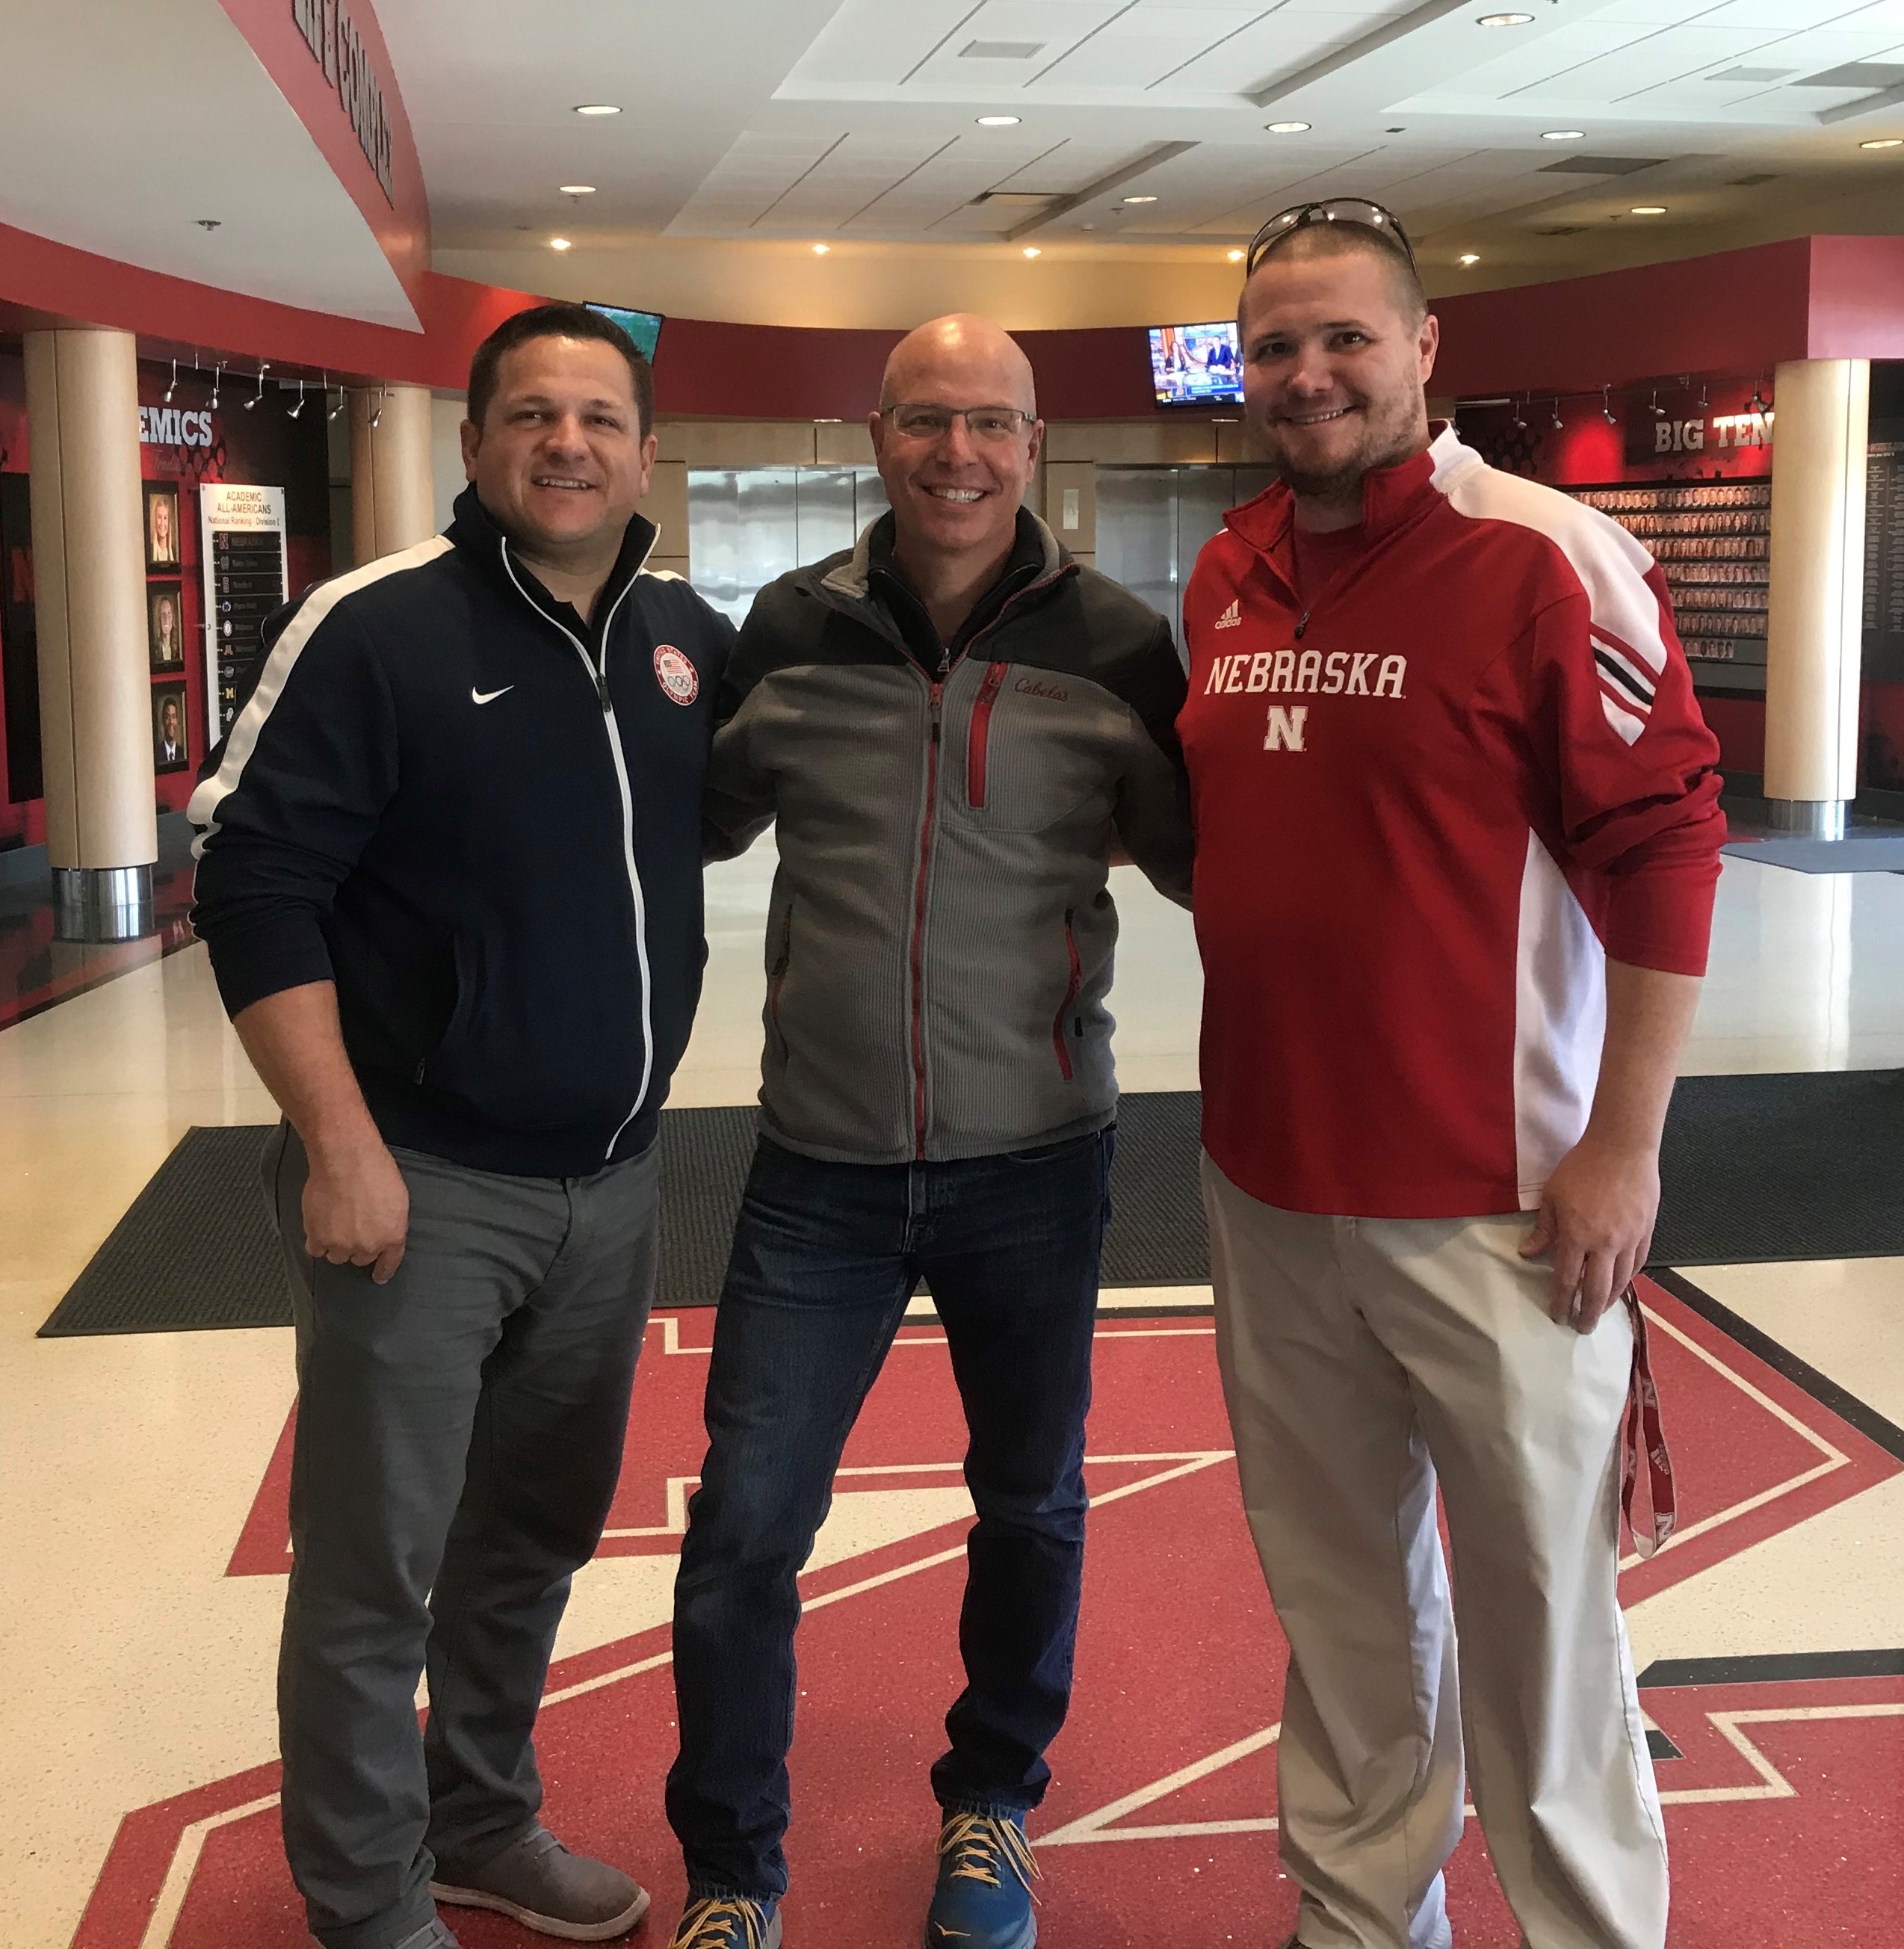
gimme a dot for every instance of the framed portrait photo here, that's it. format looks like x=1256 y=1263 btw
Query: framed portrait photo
x=170 y=743
x=165 y=627
x=161 y=549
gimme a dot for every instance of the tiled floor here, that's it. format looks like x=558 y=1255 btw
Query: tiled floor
x=136 y=1668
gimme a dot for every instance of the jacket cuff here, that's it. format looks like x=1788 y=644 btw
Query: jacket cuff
x=251 y=963
x=1661 y=920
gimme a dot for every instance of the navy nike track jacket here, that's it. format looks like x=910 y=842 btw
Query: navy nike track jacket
x=481 y=819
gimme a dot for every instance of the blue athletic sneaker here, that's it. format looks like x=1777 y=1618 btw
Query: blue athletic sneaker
x=727 y=1922
x=984 y=1900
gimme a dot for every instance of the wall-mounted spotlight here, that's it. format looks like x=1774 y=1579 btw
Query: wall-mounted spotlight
x=1659 y=411
x=174 y=387
x=1607 y=412
x=260 y=393
x=300 y=407
x=1520 y=423
x=217 y=373
x=376 y=412
x=1560 y=425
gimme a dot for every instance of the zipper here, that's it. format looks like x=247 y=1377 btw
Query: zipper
x=598 y=675
x=1071 y=987
x=978 y=738
x=937 y=689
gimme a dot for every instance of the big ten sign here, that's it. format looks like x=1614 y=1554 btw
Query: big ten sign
x=1718 y=431
x=1698 y=427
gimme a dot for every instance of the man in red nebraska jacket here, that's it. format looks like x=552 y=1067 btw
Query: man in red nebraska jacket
x=1456 y=846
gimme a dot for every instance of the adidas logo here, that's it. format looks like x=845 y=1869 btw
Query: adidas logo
x=1231 y=617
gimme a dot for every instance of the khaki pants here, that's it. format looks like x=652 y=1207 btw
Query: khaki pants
x=1363 y=1360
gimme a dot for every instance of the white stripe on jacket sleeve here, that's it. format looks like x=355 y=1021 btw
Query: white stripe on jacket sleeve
x=243 y=740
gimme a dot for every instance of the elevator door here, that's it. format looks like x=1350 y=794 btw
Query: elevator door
x=1153 y=520
x=747 y=526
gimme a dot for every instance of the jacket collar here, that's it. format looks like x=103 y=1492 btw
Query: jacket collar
x=1391 y=496
x=852 y=578
x=474 y=530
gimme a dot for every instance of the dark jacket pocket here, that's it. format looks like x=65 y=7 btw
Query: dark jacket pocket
x=1074 y=981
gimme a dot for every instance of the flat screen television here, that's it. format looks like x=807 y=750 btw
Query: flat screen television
x=644 y=327
x=1196 y=365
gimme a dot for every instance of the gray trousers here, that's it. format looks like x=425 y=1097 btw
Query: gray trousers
x=459 y=1434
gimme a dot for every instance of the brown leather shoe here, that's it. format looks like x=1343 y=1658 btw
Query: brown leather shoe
x=537 y=1882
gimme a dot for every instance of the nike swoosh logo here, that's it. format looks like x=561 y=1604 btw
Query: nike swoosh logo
x=490 y=696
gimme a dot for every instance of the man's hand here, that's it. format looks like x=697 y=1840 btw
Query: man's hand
x=1597 y=1220
x=357 y=1209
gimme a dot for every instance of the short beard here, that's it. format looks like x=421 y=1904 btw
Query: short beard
x=1384 y=446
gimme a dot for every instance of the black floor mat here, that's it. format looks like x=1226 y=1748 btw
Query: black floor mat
x=1766 y=1168
x=197 y=1249
x=1753 y=1167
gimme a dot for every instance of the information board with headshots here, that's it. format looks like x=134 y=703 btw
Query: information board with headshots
x=242 y=547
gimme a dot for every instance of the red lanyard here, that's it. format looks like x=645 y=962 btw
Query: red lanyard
x=1643 y=1427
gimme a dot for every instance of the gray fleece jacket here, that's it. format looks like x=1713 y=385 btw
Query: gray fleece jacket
x=940 y=935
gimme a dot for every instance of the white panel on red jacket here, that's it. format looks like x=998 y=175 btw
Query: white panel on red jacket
x=1626 y=592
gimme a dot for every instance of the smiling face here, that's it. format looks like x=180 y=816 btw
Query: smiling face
x=168 y=722
x=1333 y=366
x=958 y=494
x=161 y=525
x=560 y=460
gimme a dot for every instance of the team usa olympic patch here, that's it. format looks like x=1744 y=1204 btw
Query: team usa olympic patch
x=676 y=675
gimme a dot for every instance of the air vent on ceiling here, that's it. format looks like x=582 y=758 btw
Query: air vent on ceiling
x=1564 y=230
x=1000 y=50
x=1018 y=199
x=1752 y=182
x=1752 y=74
x=1600 y=165
x=1855 y=74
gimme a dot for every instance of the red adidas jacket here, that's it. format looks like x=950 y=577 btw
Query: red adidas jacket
x=1426 y=811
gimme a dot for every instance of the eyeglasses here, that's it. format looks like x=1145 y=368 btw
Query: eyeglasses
x=991 y=426
x=1384 y=223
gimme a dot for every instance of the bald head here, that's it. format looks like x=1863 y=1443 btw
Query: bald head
x=960 y=360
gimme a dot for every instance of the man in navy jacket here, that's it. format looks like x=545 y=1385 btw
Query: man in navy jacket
x=449 y=875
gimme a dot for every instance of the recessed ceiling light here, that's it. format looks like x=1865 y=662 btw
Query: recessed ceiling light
x=997 y=121
x=1285 y=127
x=1469 y=257
x=1649 y=210
x=1234 y=257
x=1140 y=199
x=575 y=189
x=1563 y=135
x=820 y=249
x=1884 y=142
x=597 y=108
x=1505 y=20
x=1032 y=250
x=560 y=244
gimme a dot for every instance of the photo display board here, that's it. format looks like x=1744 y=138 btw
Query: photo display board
x=242 y=546
x=1883 y=644
x=1713 y=541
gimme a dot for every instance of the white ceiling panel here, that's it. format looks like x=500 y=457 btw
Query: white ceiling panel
x=814 y=118
x=881 y=44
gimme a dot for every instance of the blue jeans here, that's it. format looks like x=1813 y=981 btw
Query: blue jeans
x=825 y=1258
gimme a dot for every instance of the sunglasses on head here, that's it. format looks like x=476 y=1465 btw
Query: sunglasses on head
x=1384 y=223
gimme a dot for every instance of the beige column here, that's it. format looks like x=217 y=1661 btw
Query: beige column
x=392 y=492
x=1814 y=633
x=89 y=574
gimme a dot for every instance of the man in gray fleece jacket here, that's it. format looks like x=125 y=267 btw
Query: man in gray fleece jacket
x=957 y=727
